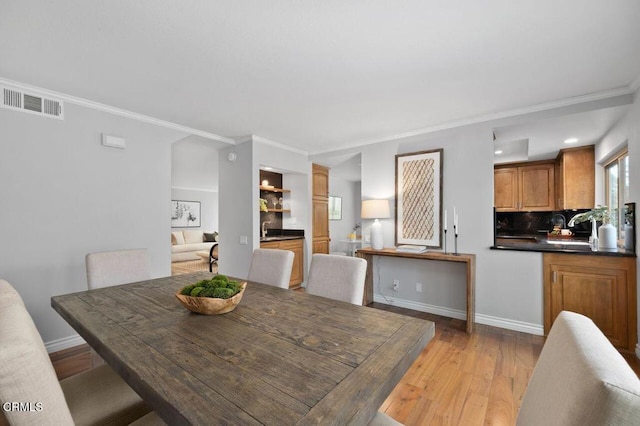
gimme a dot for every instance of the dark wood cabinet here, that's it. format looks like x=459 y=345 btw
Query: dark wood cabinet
x=575 y=178
x=297 y=247
x=602 y=288
x=524 y=187
x=505 y=192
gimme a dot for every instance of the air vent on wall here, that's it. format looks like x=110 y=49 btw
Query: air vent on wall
x=33 y=103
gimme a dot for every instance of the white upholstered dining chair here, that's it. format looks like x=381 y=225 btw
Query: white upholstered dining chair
x=337 y=277
x=271 y=266
x=98 y=396
x=116 y=267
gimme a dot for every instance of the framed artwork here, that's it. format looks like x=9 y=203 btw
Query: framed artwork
x=335 y=208
x=419 y=198
x=185 y=214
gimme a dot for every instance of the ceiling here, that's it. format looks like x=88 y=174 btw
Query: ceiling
x=321 y=75
x=542 y=139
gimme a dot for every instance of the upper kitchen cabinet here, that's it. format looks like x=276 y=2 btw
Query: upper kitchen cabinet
x=524 y=186
x=575 y=178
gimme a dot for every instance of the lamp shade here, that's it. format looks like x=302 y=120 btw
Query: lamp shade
x=375 y=209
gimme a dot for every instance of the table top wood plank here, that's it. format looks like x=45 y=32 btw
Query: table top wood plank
x=176 y=394
x=307 y=374
x=322 y=334
x=357 y=398
x=232 y=374
x=280 y=357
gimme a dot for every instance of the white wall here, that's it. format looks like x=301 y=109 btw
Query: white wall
x=194 y=177
x=238 y=211
x=239 y=214
x=64 y=195
x=194 y=164
x=508 y=284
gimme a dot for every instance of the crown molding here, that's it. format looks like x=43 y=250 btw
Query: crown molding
x=627 y=90
x=184 y=188
x=266 y=141
x=116 y=111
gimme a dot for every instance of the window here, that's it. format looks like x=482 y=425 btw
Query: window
x=617 y=187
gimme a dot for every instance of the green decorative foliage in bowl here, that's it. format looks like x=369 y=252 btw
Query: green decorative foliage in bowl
x=218 y=295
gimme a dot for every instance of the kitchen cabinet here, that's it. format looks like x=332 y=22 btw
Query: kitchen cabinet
x=297 y=247
x=575 y=178
x=602 y=288
x=320 y=209
x=524 y=187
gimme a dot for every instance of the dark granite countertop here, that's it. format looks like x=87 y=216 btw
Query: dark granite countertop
x=281 y=238
x=541 y=244
x=282 y=235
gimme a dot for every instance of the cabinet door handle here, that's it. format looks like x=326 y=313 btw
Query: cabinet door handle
x=554 y=277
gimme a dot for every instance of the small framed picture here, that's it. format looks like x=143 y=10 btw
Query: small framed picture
x=185 y=214
x=335 y=208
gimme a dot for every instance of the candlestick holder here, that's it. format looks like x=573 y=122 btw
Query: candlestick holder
x=455 y=241
x=445 y=240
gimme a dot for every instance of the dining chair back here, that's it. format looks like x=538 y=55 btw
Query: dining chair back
x=337 y=277
x=271 y=266
x=116 y=267
x=28 y=379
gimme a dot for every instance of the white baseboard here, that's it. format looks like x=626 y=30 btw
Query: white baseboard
x=523 y=327
x=64 y=343
x=462 y=315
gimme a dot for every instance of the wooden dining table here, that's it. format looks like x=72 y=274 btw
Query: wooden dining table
x=281 y=357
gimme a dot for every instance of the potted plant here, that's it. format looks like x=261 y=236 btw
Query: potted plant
x=214 y=296
x=352 y=235
x=606 y=235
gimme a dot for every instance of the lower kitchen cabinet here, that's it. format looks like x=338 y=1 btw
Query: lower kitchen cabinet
x=600 y=287
x=297 y=247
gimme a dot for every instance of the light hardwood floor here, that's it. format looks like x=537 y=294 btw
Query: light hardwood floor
x=459 y=378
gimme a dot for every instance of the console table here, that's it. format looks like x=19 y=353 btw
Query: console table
x=468 y=259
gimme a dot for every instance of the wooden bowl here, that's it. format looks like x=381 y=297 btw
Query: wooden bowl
x=210 y=305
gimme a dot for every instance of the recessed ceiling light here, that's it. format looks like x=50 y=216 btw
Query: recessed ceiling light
x=498 y=152
x=571 y=140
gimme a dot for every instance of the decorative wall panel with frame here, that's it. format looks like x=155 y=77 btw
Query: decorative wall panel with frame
x=185 y=214
x=418 y=204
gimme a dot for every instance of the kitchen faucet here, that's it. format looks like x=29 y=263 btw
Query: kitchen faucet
x=264 y=228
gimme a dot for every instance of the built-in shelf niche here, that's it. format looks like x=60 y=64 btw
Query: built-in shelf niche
x=273 y=191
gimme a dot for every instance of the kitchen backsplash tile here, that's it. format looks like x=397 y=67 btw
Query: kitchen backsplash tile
x=534 y=223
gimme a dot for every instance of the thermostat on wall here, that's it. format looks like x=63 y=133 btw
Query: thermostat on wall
x=113 y=141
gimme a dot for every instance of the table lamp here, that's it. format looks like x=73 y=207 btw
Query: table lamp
x=376 y=209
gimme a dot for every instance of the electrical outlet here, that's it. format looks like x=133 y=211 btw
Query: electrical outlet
x=419 y=287
x=244 y=240
x=396 y=285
